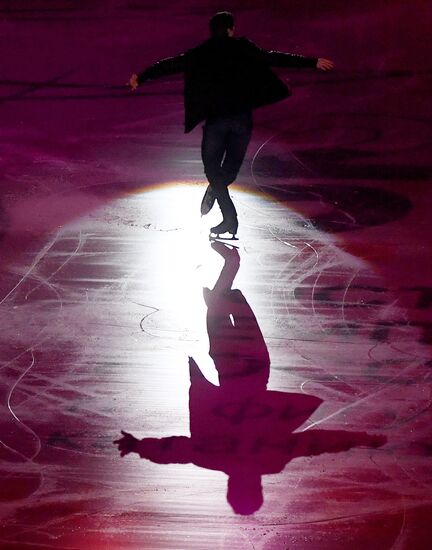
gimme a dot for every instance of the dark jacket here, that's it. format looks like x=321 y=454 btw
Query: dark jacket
x=226 y=75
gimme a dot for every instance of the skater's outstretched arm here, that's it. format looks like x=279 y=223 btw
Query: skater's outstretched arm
x=164 y=67
x=167 y=450
x=282 y=59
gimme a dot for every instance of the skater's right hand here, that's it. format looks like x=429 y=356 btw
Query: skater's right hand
x=133 y=82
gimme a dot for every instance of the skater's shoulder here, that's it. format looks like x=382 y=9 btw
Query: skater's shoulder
x=245 y=41
x=199 y=48
x=217 y=41
x=248 y=46
x=215 y=45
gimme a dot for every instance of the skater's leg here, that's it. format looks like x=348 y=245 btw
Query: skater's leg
x=212 y=152
x=213 y=149
x=223 y=147
x=236 y=146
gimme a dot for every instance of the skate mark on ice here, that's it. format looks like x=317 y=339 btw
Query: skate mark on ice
x=36 y=261
x=9 y=405
x=81 y=242
x=33 y=88
x=155 y=310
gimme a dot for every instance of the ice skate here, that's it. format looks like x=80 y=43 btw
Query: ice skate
x=223 y=229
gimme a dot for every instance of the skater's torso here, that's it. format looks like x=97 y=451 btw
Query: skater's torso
x=225 y=76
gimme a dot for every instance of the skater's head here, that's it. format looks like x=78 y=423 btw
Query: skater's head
x=222 y=24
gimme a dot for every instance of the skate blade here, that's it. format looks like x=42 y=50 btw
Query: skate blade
x=215 y=237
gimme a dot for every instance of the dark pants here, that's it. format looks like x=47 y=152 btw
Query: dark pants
x=224 y=144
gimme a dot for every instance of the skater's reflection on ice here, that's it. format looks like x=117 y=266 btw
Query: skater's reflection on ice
x=239 y=427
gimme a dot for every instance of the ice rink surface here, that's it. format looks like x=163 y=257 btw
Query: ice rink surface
x=309 y=424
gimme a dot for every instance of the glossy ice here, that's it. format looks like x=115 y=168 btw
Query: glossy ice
x=308 y=425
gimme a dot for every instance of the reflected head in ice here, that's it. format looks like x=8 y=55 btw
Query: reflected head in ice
x=245 y=492
x=240 y=427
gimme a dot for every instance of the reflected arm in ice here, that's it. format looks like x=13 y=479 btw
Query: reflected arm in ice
x=315 y=442
x=276 y=452
x=165 y=450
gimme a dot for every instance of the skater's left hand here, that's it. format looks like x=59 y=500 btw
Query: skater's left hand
x=126 y=444
x=324 y=64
